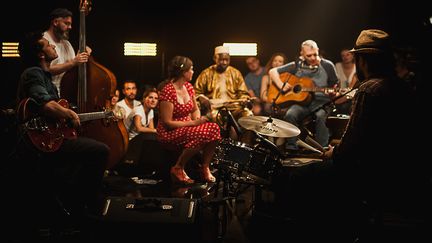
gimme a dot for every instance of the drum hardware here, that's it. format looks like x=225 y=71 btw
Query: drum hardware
x=231 y=122
x=240 y=166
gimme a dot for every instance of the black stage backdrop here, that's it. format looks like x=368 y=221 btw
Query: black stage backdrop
x=194 y=28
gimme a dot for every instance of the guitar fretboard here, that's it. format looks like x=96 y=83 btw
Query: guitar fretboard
x=92 y=116
x=317 y=89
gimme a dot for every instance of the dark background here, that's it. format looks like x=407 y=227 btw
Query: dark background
x=194 y=28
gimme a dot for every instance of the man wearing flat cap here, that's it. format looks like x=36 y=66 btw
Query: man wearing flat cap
x=221 y=84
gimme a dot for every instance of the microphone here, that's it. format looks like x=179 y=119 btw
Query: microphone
x=301 y=63
x=309 y=67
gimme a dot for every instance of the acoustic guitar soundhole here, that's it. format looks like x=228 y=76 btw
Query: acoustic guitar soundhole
x=297 y=88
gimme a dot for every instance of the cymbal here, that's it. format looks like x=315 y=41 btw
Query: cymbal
x=269 y=126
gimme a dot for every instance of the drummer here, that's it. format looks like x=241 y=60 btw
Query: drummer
x=222 y=86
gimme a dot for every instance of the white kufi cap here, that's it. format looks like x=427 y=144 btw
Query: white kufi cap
x=221 y=49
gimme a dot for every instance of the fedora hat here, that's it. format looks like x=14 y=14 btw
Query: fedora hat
x=371 y=41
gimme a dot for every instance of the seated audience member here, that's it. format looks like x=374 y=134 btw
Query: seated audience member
x=278 y=59
x=346 y=72
x=144 y=114
x=126 y=106
x=253 y=83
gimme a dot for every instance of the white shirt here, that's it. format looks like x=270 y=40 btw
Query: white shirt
x=145 y=120
x=343 y=79
x=65 y=53
x=129 y=115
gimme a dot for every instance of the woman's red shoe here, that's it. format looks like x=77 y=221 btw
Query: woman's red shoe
x=178 y=175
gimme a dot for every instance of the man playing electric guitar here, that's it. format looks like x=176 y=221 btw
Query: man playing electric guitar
x=323 y=74
x=79 y=163
x=47 y=133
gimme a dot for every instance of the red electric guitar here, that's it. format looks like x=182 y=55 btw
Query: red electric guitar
x=47 y=134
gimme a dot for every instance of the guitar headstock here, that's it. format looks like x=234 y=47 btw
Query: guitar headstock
x=85 y=5
x=116 y=113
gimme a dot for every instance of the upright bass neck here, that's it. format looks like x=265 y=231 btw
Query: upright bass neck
x=82 y=69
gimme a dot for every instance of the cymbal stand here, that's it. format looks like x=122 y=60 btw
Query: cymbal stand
x=221 y=203
x=231 y=181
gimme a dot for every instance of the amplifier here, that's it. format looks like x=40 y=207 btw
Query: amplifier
x=148 y=218
x=150 y=210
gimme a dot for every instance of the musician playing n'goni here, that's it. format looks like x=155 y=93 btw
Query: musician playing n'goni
x=221 y=83
x=323 y=74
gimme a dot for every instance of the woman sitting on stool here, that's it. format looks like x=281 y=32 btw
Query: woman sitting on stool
x=181 y=123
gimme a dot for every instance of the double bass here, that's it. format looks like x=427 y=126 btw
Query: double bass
x=90 y=86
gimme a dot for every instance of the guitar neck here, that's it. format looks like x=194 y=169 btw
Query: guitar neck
x=319 y=89
x=91 y=116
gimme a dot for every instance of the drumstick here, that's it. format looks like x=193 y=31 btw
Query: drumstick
x=307 y=146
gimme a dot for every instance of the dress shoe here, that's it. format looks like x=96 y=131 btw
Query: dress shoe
x=178 y=175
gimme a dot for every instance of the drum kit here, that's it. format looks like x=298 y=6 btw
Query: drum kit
x=259 y=162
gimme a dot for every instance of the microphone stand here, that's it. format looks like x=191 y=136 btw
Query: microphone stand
x=309 y=139
x=274 y=107
x=331 y=101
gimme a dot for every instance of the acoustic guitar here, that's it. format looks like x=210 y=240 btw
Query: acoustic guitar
x=47 y=134
x=300 y=93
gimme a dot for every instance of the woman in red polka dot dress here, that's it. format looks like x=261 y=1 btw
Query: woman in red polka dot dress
x=181 y=123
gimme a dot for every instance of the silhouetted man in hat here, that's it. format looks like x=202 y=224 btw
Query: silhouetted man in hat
x=376 y=156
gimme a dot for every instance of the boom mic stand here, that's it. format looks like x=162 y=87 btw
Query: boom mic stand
x=308 y=138
x=274 y=107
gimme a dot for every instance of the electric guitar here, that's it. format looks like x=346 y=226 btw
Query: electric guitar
x=299 y=93
x=47 y=134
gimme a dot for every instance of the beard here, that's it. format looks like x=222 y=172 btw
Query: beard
x=220 y=68
x=61 y=35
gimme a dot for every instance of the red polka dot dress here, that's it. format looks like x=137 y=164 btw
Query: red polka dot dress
x=190 y=136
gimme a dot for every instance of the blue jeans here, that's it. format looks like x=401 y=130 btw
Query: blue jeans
x=297 y=113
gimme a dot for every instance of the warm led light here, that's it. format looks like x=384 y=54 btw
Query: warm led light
x=140 y=49
x=10 y=49
x=242 y=49
x=10 y=55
